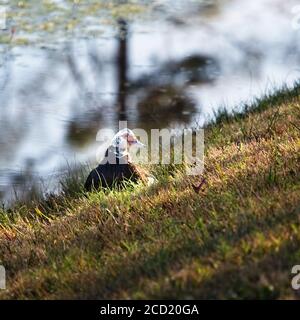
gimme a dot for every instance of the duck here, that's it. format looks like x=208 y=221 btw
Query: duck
x=116 y=166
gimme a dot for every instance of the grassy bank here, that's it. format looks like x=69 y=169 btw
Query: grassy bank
x=238 y=238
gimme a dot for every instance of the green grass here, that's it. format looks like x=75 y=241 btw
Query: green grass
x=237 y=239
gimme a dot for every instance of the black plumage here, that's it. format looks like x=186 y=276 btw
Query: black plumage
x=108 y=175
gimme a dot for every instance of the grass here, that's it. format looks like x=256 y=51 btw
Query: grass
x=237 y=239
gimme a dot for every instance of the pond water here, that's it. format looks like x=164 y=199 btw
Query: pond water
x=70 y=68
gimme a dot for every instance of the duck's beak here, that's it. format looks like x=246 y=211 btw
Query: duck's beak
x=139 y=144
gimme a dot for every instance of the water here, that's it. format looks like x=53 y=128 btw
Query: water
x=173 y=65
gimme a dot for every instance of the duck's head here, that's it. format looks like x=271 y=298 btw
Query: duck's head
x=123 y=141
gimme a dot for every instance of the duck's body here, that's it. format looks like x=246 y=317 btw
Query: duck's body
x=116 y=167
x=108 y=175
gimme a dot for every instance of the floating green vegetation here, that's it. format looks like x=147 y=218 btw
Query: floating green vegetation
x=49 y=21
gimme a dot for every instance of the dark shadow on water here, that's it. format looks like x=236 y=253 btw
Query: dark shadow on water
x=122 y=67
x=165 y=105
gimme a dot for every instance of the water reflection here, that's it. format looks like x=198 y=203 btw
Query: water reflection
x=122 y=65
x=165 y=105
x=169 y=67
